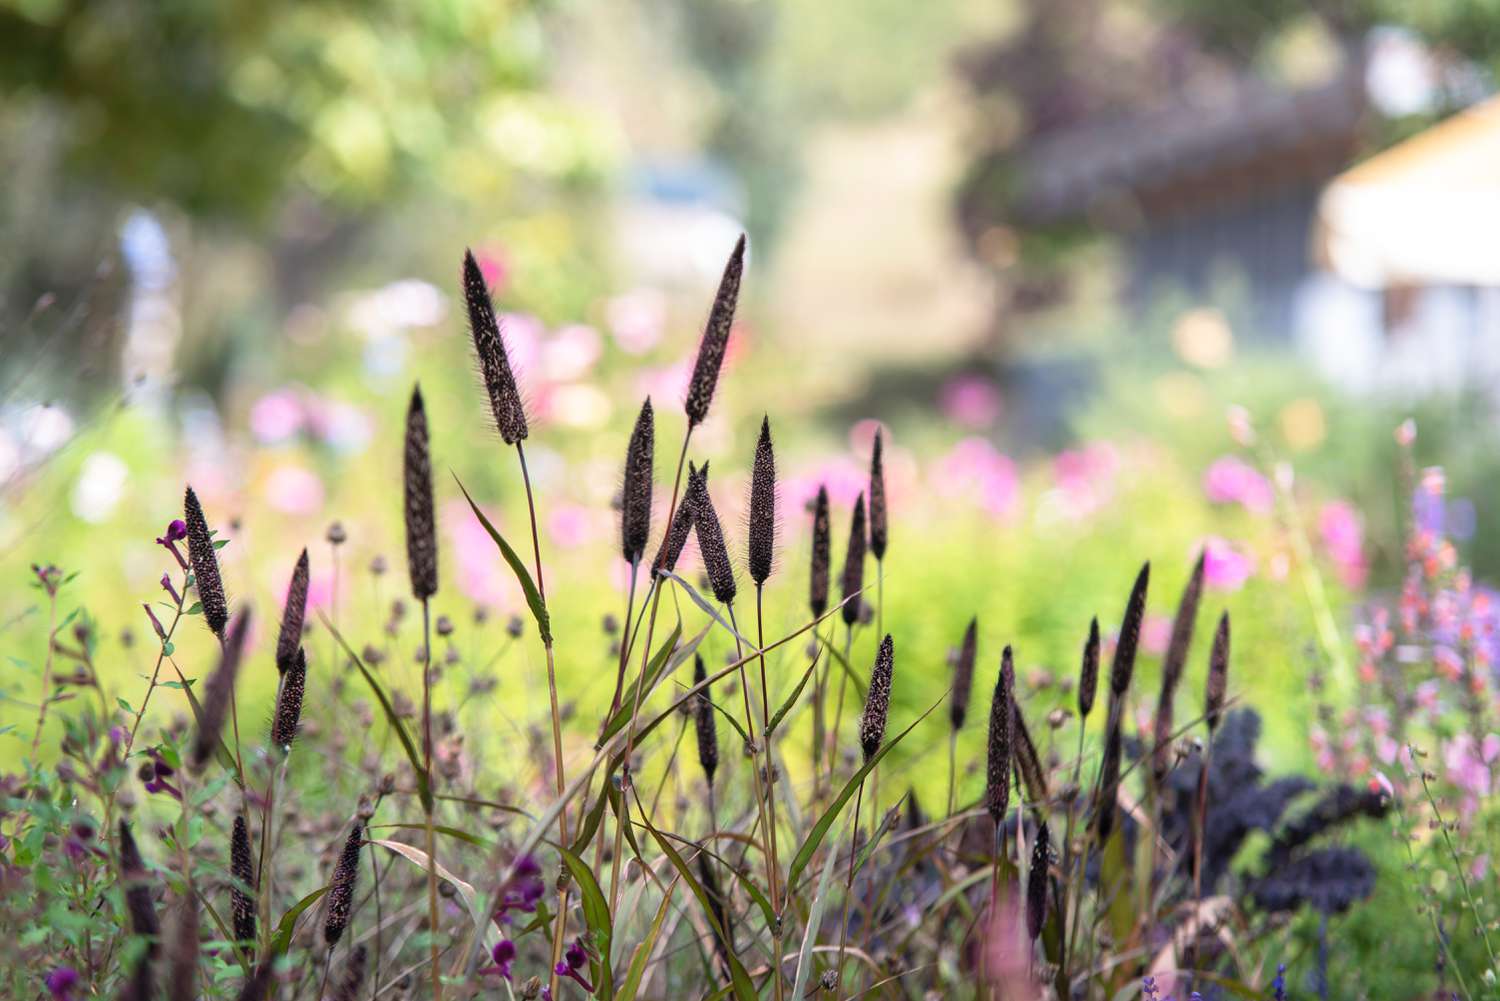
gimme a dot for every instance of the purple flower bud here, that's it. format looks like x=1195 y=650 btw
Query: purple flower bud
x=60 y=983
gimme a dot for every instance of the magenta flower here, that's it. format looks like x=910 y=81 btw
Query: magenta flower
x=1225 y=567
x=175 y=533
x=277 y=416
x=974 y=467
x=61 y=982
x=573 y=962
x=503 y=954
x=521 y=891
x=1233 y=481
x=970 y=401
x=1343 y=536
x=155 y=773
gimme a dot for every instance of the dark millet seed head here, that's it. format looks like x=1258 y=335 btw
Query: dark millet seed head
x=241 y=897
x=1218 y=675
x=635 y=497
x=682 y=520
x=711 y=546
x=1123 y=665
x=289 y=702
x=998 y=757
x=489 y=348
x=878 y=527
x=821 y=555
x=182 y=951
x=715 y=338
x=705 y=727
x=1028 y=762
x=137 y=884
x=1036 y=882
x=854 y=564
x=963 y=675
x=258 y=985
x=289 y=639
x=762 y=542
x=352 y=977
x=218 y=691
x=877 y=699
x=1088 y=674
x=1172 y=665
x=341 y=888
x=205 y=563
x=421 y=525
x=1109 y=776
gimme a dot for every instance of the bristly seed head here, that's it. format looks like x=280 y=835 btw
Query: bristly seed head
x=137 y=884
x=1036 y=882
x=242 y=884
x=682 y=520
x=205 y=563
x=289 y=640
x=341 y=888
x=1218 y=675
x=854 y=564
x=218 y=691
x=711 y=546
x=963 y=675
x=706 y=727
x=1028 y=762
x=1171 y=668
x=1130 y=636
x=762 y=541
x=421 y=525
x=1088 y=674
x=635 y=497
x=715 y=338
x=352 y=977
x=821 y=555
x=878 y=527
x=289 y=703
x=489 y=347
x=877 y=700
x=997 y=763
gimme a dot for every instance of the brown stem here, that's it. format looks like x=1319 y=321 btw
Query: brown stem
x=432 y=894
x=774 y=863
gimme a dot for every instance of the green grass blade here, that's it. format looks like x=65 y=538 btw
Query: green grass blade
x=517 y=566
x=596 y=915
x=815 y=920
x=791 y=699
x=289 y=921
x=654 y=669
x=642 y=954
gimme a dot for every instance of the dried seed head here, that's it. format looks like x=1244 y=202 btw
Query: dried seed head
x=341 y=888
x=878 y=528
x=421 y=525
x=706 y=727
x=715 y=338
x=1088 y=674
x=963 y=675
x=347 y=988
x=138 y=899
x=711 y=546
x=205 y=562
x=1036 y=882
x=289 y=640
x=1130 y=635
x=854 y=564
x=877 y=700
x=997 y=763
x=242 y=883
x=218 y=691
x=489 y=348
x=1218 y=675
x=682 y=520
x=821 y=555
x=289 y=703
x=762 y=542
x=635 y=497
x=1028 y=762
x=1171 y=668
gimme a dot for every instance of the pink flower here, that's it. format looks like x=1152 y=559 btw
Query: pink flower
x=1225 y=567
x=494 y=265
x=974 y=466
x=523 y=343
x=970 y=401
x=482 y=576
x=294 y=490
x=1467 y=769
x=1343 y=537
x=570 y=525
x=636 y=319
x=571 y=353
x=1086 y=476
x=1427 y=695
x=1233 y=481
x=1156 y=633
x=276 y=416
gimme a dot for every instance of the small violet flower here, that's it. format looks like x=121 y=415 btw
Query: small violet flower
x=155 y=772
x=61 y=982
x=503 y=954
x=575 y=959
x=175 y=533
x=521 y=891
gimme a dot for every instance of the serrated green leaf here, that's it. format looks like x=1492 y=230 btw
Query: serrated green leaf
x=528 y=586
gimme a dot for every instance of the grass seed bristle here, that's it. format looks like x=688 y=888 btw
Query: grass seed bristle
x=242 y=883
x=218 y=691
x=1218 y=675
x=489 y=348
x=1036 y=882
x=879 y=529
x=682 y=520
x=705 y=726
x=289 y=703
x=1088 y=673
x=205 y=562
x=711 y=546
x=761 y=547
x=998 y=756
x=877 y=700
x=854 y=564
x=421 y=524
x=293 y=614
x=963 y=675
x=715 y=338
x=341 y=888
x=817 y=590
x=635 y=496
x=1171 y=668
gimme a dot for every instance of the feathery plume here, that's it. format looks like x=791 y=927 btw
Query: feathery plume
x=682 y=520
x=421 y=526
x=341 y=888
x=635 y=496
x=347 y=989
x=289 y=703
x=289 y=640
x=762 y=540
x=963 y=675
x=218 y=691
x=878 y=529
x=138 y=903
x=205 y=563
x=711 y=546
x=182 y=950
x=715 y=338
x=489 y=347
x=242 y=883
x=705 y=726
x=877 y=700
x=1036 y=882
x=1218 y=675
x=1088 y=674
x=854 y=563
x=1028 y=762
x=997 y=765
x=817 y=591
x=1171 y=668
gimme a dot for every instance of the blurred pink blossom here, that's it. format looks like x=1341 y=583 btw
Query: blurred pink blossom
x=294 y=490
x=1225 y=567
x=482 y=575
x=636 y=319
x=1233 y=481
x=970 y=401
x=1156 y=633
x=844 y=478
x=1343 y=537
x=570 y=525
x=975 y=466
x=1466 y=766
x=1086 y=476
x=571 y=353
x=494 y=264
x=276 y=416
x=522 y=333
x=666 y=385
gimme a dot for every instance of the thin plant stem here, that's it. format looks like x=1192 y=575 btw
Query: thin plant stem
x=838 y=706
x=761 y=790
x=432 y=894
x=879 y=598
x=41 y=716
x=774 y=862
x=1437 y=930
x=1458 y=868
x=819 y=682
x=849 y=880
x=614 y=703
x=952 y=770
